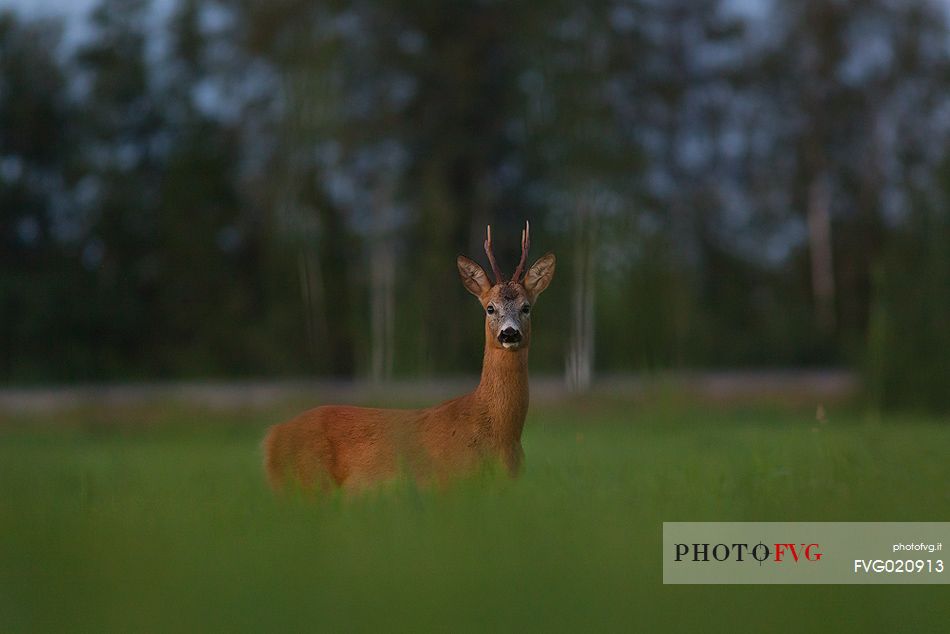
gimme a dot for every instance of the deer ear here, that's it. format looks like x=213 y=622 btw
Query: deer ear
x=539 y=276
x=473 y=276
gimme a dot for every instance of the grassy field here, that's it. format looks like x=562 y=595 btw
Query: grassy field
x=158 y=519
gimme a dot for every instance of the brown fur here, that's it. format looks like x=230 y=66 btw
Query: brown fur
x=355 y=447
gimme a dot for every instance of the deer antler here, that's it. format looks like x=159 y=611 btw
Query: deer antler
x=525 y=244
x=491 y=258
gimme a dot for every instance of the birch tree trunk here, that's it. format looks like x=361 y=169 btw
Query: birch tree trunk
x=820 y=250
x=580 y=355
x=311 y=292
x=382 y=290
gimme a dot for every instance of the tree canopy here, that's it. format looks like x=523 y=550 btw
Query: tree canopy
x=244 y=188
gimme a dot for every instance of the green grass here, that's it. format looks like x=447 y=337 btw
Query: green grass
x=161 y=521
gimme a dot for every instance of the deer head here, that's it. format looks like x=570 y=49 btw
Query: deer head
x=507 y=304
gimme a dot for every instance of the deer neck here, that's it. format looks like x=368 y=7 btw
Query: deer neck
x=503 y=391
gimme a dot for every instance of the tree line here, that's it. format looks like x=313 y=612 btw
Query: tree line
x=244 y=188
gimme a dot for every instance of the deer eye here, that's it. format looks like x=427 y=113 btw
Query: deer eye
x=490 y=310
x=526 y=309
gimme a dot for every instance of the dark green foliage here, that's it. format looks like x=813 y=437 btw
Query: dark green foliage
x=908 y=363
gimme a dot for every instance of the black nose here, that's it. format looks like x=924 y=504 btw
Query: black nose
x=510 y=335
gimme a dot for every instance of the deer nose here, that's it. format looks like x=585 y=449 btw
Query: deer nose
x=510 y=335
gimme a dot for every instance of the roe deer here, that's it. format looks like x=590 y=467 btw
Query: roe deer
x=337 y=445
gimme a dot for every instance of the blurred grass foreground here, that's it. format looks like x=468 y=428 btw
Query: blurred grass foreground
x=156 y=517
